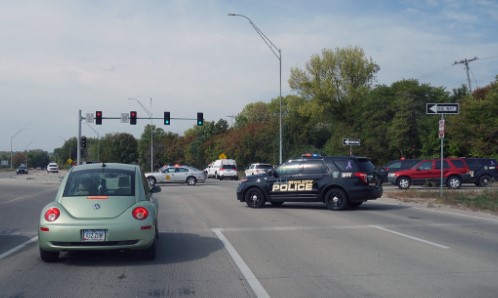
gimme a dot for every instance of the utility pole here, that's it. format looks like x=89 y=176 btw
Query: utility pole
x=466 y=63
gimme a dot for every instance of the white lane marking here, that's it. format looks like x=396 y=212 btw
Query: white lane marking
x=249 y=275
x=26 y=196
x=244 y=269
x=442 y=212
x=19 y=247
x=408 y=236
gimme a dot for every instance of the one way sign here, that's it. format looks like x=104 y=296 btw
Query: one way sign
x=442 y=108
x=351 y=142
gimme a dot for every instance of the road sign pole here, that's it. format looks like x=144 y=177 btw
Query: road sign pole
x=442 y=149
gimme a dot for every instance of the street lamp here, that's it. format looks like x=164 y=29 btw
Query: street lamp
x=12 y=140
x=149 y=113
x=278 y=54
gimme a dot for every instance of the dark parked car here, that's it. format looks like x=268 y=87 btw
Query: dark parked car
x=338 y=181
x=428 y=172
x=396 y=165
x=22 y=169
x=483 y=171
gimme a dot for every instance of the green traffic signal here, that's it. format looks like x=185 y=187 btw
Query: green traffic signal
x=167 y=118
x=200 y=119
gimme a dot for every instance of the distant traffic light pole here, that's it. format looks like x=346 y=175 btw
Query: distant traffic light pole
x=124 y=118
x=278 y=54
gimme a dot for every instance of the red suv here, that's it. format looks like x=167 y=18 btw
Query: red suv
x=455 y=171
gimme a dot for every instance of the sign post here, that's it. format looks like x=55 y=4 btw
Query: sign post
x=351 y=143
x=442 y=109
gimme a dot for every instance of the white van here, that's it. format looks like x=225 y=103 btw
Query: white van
x=223 y=168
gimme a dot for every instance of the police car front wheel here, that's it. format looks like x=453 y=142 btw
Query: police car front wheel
x=255 y=198
x=336 y=199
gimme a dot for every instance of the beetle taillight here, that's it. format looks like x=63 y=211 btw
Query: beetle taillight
x=140 y=213
x=52 y=214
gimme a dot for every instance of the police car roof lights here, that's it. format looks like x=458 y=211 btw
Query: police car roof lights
x=308 y=155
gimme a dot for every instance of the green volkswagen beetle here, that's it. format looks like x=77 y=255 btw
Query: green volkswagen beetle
x=105 y=206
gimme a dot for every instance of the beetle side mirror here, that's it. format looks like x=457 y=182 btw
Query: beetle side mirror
x=155 y=188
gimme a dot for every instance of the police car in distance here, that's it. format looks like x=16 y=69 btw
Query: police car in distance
x=340 y=182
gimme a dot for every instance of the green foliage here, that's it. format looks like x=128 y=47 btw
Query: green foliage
x=475 y=129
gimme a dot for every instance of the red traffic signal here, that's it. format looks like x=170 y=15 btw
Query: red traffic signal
x=133 y=117
x=98 y=118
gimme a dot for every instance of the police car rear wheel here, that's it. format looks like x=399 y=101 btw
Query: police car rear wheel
x=254 y=198
x=336 y=199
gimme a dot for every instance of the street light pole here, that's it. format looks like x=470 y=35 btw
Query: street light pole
x=11 y=141
x=278 y=53
x=149 y=113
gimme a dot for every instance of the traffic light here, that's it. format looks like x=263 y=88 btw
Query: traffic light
x=133 y=117
x=167 y=118
x=98 y=118
x=200 y=119
x=83 y=142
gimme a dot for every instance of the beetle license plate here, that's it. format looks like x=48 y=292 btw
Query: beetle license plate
x=93 y=235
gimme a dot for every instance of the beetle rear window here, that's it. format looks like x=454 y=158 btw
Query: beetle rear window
x=97 y=182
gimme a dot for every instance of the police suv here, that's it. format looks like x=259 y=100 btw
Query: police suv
x=338 y=181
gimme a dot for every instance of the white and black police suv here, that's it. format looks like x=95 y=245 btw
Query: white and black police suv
x=340 y=182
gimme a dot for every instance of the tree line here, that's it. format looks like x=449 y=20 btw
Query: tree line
x=334 y=96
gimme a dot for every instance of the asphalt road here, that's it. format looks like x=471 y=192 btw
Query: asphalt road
x=211 y=245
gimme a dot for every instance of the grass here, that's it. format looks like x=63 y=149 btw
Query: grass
x=476 y=200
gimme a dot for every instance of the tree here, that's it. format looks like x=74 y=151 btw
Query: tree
x=474 y=132
x=257 y=112
x=337 y=80
x=119 y=147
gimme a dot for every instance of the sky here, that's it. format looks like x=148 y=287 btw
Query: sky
x=58 y=57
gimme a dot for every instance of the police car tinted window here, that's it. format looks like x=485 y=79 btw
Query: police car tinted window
x=313 y=167
x=347 y=165
x=288 y=168
x=365 y=165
